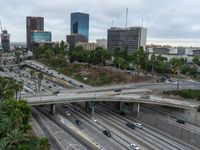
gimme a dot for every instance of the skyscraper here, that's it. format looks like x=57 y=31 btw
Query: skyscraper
x=80 y=24
x=128 y=38
x=33 y=23
x=5 y=41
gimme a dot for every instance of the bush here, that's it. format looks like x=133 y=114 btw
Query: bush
x=188 y=93
x=198 y=109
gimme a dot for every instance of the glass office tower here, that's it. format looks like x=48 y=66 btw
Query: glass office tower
x=80 y=24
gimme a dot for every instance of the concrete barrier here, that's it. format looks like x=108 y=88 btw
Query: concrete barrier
x=172 y=129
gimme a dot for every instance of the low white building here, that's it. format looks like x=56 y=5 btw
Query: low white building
x=169 y=53
x=102 y=43
x=86 y=46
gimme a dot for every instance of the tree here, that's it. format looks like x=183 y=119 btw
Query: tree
x=140 y=59
x=32 y=73
x=6 y=125
x=16 y=137
x=5 y=144
x=44 y=144
x=20 y=89
x=196 y=60
x=40 y=78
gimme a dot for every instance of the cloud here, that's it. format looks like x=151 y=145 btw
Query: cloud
x=169 y=19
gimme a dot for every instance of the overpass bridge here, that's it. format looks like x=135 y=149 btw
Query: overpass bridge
x=108 y=96
x=106 y=93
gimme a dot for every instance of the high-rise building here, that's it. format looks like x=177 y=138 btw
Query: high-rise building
x=5 y=41
x=80 y=24
x=128 y=38
x=33 y=23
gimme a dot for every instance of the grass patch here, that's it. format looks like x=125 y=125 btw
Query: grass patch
x=187 y=93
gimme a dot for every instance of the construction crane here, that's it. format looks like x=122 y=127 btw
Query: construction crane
x=1 y=27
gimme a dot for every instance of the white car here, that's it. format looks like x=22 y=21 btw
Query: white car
x=94 y=119
x=139 y=125
x=67 y=113
x=135 y=147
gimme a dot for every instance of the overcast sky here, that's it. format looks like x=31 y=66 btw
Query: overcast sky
x=165 y=19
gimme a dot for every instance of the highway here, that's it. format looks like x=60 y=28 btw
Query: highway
x=119 y=139
x=146 y=138
x=163 y=140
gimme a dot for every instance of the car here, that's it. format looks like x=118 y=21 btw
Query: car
x=94 y=119
x=63 y=78
x=81 y=86
x=76 y=108
x=107 y=132
x=55 y=92
x=54 y=84
x=122 y=113
x=47 y=81
x=138 y=125
x=130 y=125
x=145 y=96
x=134 y=146
x=78 y=122
x=117 y=90
x=180 y=121
x=65 y=106
x=50 y=87
x=67 y=113
x=43 y=89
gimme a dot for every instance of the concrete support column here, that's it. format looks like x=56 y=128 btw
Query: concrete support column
x=87 y=106
x=53 y=109
x=138 y=109
x=121 y=107
x=92 y=113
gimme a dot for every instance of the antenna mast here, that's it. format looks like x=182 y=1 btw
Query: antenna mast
x=126 y=17
x=142 y=22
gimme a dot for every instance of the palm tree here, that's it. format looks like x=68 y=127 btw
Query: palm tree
x=40 y=78
x=6 y=125
x=16 y=87
x=5 y=144
x=44 y=144
x=3 y=108
x=20 y=89
x=32 y=73
x=17 y=137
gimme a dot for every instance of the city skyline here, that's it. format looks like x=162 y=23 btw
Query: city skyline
x=161 y=23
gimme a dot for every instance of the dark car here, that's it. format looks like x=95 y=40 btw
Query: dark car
x=117 y=90
x=107 y=132
x=81 y=86
x=78 y=122
x=130 y=125
x=56 y=92
x=76 y=108
x=122 y=113
x=180 y=121
x=49 y=86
